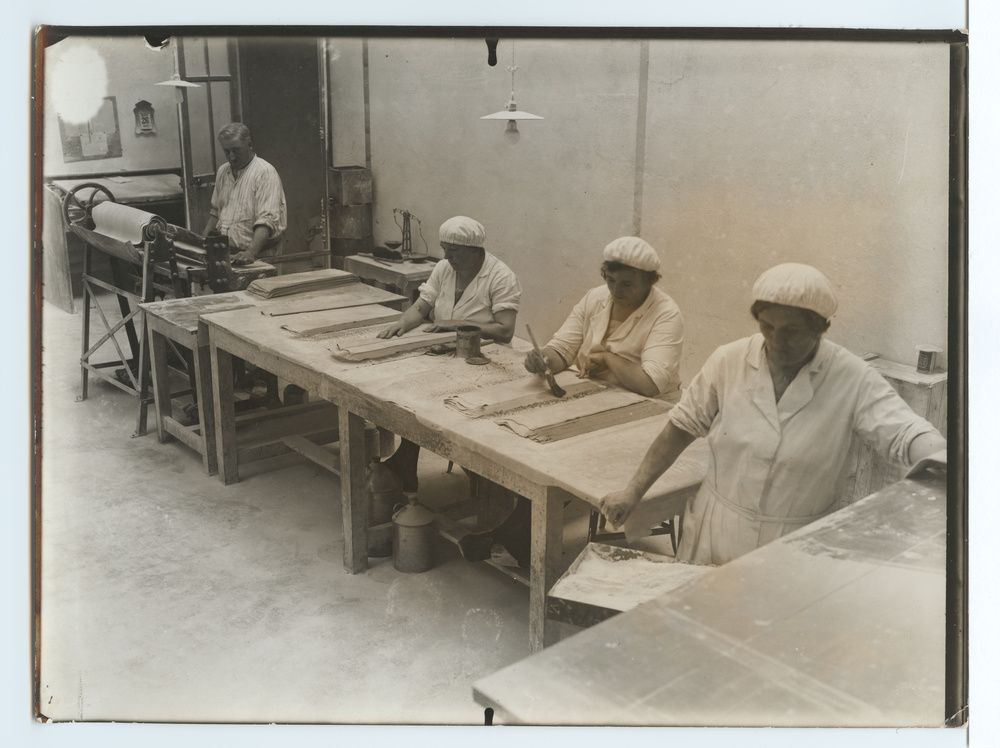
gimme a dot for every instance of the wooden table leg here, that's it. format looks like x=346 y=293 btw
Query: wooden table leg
x=546 y=557
x=206 y=406
x=161 y=382
x=353 y=490
x=225 y=414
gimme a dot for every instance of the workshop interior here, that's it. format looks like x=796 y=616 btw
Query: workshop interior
x=495 y=377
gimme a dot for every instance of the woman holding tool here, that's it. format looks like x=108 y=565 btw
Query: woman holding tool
x=627 y=332
x=778 y=410
x=473 y=287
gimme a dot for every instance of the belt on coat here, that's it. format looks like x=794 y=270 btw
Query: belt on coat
x=750 y=514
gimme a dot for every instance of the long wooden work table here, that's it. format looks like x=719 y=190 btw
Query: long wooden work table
x=841 y=623
x=405 y=394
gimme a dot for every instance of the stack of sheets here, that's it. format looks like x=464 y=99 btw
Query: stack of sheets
x=520 y=393
x=581 y=415
x=362 y=350
x=314 y=280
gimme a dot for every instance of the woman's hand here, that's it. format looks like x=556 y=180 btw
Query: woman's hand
x=535 y=363
x=242 y=258
x=396 y=328
x=596 y=363
x=618 y=505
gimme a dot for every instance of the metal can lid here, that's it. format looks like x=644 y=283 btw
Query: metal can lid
x=413 y=515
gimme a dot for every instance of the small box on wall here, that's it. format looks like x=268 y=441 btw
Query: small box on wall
x=349 y=185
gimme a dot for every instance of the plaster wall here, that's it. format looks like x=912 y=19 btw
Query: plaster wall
x=831 y=153
x=132 y=70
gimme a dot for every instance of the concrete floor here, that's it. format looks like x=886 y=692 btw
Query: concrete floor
x=167 y=596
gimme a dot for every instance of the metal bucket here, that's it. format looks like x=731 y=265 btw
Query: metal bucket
x=384 y=495
x=413 y=538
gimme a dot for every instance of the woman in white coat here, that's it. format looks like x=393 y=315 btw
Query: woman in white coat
x=778 y=410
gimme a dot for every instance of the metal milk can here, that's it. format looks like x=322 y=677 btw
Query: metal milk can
x=413 y=538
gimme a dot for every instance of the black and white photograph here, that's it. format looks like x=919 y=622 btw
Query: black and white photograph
x=468 y=376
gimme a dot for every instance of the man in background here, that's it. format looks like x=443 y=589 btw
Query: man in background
x=248 y=204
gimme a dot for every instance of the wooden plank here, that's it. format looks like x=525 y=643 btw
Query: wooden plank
x=225 y=414
x=333 y=320
x=183 y=313
x=379 y=348
x=353 y=491
x=278 y=423
x=188 y=435
x=546 y=559
x=57 y=285
x=201 y=357
x=328 y=459
x=356 y=294
x=161 y=383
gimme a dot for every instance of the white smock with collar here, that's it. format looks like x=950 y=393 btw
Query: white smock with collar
x=652 y=336
x=774 y=467
x=494 y=289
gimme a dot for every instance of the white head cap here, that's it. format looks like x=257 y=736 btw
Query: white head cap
x=463 y=230
x=634 y=252
x=795 y=284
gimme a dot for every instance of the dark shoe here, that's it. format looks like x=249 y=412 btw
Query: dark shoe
x=407 y=474
x=514 y=533
x=476 y=546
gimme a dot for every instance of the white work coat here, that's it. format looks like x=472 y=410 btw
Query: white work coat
x=652 y=336
x=494 y=289
x=776 y=466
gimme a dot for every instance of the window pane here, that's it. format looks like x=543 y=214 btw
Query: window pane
x=194 y=56
x=222 y=113
x=218 y=55
x=201 y=131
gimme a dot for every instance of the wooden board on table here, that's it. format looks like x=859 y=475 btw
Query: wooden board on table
x=364 y=350
x=313 y=280
x=334 y=320
x=564 y=419
x=352 y=294
x=520 y=393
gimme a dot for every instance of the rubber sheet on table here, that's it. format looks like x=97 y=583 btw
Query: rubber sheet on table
x=581 y=415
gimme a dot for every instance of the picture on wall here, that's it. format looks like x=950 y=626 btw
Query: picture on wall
x=98 y=138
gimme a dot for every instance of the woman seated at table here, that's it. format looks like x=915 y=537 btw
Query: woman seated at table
x=472 y=287
x=627 y=332
x=778 y=410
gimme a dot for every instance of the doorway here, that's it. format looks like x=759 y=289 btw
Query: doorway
x=281 y=102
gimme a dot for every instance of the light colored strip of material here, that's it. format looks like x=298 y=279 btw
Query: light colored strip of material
x=582 y=415
x=521 y=393
x=378 y=348
x=123 y=222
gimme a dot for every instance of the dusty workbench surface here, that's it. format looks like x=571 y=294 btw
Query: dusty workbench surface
x=587 y=466
x=840 y=623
